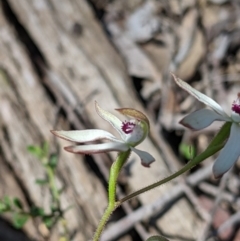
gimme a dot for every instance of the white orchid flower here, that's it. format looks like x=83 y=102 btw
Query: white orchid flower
x=204 y=117
x=132 y=133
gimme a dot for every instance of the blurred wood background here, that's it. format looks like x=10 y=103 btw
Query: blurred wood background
x=58 y=56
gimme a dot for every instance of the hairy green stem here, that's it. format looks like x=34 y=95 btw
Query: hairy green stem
x=114 y=172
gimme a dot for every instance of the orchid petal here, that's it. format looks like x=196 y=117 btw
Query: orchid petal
x=200 y=119
x=110 y=118
x=97 y=148
x=146 y=158
x=85 y=136
x=202 y=98
x=229 y=154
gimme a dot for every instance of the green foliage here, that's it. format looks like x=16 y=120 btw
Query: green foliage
x=187 y=151
x=37 y=212
x=53 y=161
x=2 y=207
x=19 y=219
x=48 y=221
x=5 y=204
x=36 y=151
x=15 y=206
x=41 y=181
x=17 y=202
x=41 y=152
x=7 y=201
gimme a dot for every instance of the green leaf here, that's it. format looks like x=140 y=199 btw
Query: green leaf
x=37 y=211
x=48 y=221
x=36 y=151
x=7 y=201
x=18 y=203
x=41 y=181
x=222 y=135
x=3 y=207
x=19 y=219
x=187 y=151
x=53 y=161
x=45 y=149
x=215 y=145
x=5 y=204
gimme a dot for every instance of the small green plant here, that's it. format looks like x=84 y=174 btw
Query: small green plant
x=21 y=215
x=14 y=205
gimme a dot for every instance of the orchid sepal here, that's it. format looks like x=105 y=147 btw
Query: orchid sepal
x=97 y=148
x=200 y=119
x=229 y=154
x=85 y=136
x=146 y=158
x=110 y=118
x=202 y=97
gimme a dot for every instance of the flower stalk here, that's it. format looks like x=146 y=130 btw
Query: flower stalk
x=112 y=204
x=216 y=144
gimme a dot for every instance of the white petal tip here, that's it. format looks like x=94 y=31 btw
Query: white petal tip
x=219 y=167
x=96 y=104
x=187 y=125
x=218 y=176
x=147 y=164
x=53 y=132
x=58 y=134
x=79 y=150
x=219 y=171
x=146 y=158
x=70 y=149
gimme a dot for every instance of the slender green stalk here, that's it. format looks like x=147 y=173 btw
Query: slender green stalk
x=56 y=198
x=157 y=238
x=114 y=172
x=216 y=144
x=53 y=186
x=187 y=167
